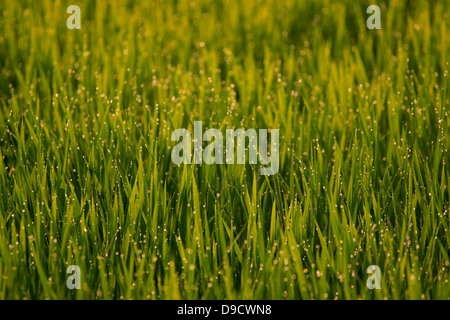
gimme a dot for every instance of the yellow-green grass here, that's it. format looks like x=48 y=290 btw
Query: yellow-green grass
x=86 y=176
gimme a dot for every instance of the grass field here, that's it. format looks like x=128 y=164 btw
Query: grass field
x=86 y=176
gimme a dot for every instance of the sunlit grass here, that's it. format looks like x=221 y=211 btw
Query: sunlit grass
x=86 y=177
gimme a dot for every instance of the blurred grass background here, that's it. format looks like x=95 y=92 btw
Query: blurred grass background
x=86 y=176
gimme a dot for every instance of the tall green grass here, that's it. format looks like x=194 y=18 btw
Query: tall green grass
x=86 y=176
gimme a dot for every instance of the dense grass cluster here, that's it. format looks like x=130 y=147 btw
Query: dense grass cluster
x=86 y=176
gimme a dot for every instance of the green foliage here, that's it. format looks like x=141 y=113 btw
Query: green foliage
x=86 y=176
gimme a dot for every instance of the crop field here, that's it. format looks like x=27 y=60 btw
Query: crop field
x=87 y=176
